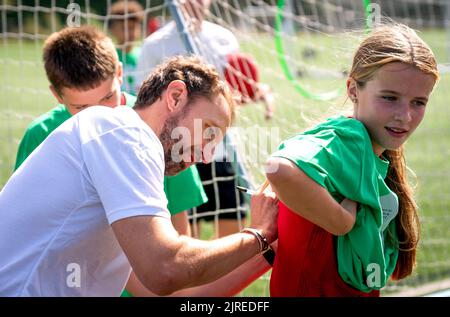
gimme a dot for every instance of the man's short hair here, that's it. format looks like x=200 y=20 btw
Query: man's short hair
x=201 y=80
x=129 y=10
x=81 y=57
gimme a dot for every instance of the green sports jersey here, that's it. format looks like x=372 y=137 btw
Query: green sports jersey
x=338 y=155
x=38 y=131
x=184 y=195
x=183 y=191
x=129 y=63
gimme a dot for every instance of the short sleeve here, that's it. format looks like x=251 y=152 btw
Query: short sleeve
x=28 y=144
x=184 y=190
x=332 y=159
x=126 y=168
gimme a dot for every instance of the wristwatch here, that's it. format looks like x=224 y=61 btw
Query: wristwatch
x=265 y=248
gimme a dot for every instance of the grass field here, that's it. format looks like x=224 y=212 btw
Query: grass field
x=24 y=95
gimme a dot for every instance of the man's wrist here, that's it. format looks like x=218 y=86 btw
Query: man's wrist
x=262 y=240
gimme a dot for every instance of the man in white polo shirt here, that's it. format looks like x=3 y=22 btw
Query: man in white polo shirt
x=88 y=205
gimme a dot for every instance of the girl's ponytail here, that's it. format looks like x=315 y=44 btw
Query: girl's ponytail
x=407 y=221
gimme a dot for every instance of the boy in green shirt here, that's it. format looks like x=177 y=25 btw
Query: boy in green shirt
x=93 y=77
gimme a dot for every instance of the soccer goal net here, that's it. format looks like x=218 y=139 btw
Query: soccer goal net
x=302 y=50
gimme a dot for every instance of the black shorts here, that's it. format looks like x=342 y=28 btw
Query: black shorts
x=231 y=203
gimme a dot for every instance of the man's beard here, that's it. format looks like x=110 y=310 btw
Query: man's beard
x=171 y=167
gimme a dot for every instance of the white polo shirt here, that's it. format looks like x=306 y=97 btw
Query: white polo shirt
x=56 y=210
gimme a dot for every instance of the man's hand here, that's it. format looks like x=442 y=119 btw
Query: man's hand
x=264 y=213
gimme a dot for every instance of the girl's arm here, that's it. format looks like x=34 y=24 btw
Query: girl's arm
x=309 y=199
x=229 y=285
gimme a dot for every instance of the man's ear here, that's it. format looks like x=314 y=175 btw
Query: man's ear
x=176 y=95
x=56 y=94
x=119 y=73
x=352 y=90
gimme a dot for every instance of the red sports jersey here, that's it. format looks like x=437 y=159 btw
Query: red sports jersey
x=305 y=264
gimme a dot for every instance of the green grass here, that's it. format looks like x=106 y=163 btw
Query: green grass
x=24 y=95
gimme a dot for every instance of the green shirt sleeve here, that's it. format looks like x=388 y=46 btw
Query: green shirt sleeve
x=38 y=131
x=332 y=155
x=28 y=144
x=184 y=190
